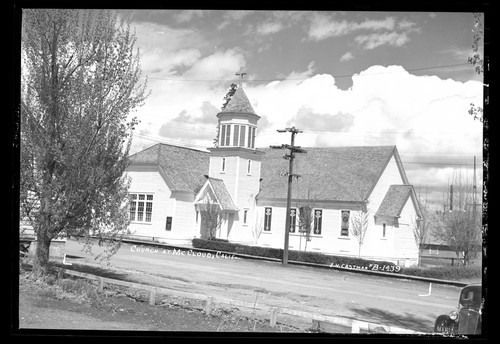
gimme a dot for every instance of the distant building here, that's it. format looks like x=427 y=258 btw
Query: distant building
x=171 y=183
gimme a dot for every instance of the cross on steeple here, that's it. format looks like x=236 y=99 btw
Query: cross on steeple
x=241 y=74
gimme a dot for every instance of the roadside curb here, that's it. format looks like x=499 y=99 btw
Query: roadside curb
x=292 y=262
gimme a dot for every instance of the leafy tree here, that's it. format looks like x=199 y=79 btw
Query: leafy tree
x=229 y=95
x=477 y=60
x=79 y=84
x=227 y=98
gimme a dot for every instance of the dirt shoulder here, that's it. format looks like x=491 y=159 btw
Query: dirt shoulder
x=76 y=305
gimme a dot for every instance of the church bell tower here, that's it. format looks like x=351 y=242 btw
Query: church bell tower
x=234 y=159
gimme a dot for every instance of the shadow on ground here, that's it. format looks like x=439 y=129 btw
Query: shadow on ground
x=93 y=270
x=383 y=317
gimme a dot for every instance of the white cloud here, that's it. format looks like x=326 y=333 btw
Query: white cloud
x=163 y=49
x=422 y=115
x=347 y=56
x=218 y=66
x=323 y=26
x=374 y=40
x=269 y=28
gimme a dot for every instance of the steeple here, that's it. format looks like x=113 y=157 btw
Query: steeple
x=239 y=103
x=235 y=161
x=237 y=120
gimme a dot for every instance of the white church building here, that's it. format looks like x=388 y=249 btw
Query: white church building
x=169 y=183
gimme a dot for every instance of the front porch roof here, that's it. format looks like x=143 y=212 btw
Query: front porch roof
x=220 y=193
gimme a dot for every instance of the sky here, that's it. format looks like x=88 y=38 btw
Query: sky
x=343 y=78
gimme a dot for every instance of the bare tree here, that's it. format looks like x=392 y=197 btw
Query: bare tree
x=257 y=228
x=421 y=228
x=359 y=225
x=461 y=224
x=79 y=84
x=211 y=217
x=305 y=208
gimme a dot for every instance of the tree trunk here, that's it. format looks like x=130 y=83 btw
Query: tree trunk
x=41 y=260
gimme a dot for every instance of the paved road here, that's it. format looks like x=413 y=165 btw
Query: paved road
x=387 y=301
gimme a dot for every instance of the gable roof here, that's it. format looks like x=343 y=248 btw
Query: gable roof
x=221 y=194
x=328 y=173
x=183 y=168
x=239 y=103
x=394 y=200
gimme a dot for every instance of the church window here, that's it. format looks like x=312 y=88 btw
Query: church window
x=384 y=225
x=344 y=222
x=318 y=219
x=223 y=165
x=141 y=207
x=293 y=220
x=253 y=138
x=228 y=135
x=250 y=137
x=223 y=135
x=268 y=212
x=249 y=167
x=245 y=216
x=236 y=135
x=168 y=223
x=242 y=135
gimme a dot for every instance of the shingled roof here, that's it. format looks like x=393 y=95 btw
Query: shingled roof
x=394 y=201
x=184 y=168
x=329 y=173
x=222 y=195
x=239 y=103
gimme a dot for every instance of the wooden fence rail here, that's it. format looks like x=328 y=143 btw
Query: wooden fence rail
x=322 y=322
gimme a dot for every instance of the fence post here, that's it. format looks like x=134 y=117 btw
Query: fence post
x=152 y=296
x=272 y=321
x=101 y=284
x=209 y=305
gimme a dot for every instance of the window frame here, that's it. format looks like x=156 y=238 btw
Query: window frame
x=344 y=232
x=245 y=216
x=145 y=204
x=268 y=218
x=223 y=165
x=293 y=220
x=168 y=224
x=228 y=135
x=317 y=223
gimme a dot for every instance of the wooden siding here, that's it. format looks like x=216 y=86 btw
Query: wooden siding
x=163 y=205
x=405 y=244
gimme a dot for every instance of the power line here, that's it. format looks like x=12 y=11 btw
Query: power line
x=305 y=78
x=444 y=156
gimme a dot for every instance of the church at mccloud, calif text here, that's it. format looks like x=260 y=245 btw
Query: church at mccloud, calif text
x=170 y=185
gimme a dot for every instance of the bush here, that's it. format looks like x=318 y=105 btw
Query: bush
x=441 y=272
x=445 y=272
x=270 y=252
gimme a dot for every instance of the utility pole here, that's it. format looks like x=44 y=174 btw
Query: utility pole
x=293 y=149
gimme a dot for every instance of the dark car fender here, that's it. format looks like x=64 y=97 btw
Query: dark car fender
x=444 y=324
